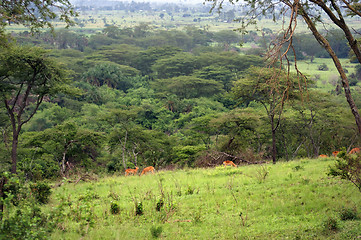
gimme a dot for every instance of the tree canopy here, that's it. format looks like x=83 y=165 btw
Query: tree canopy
x=36 y=14
x=311 y=12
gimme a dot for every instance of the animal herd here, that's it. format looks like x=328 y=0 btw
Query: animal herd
x=133 y=172
x=150 y=169
x=335 y=153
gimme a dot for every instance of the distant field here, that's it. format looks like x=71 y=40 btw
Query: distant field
x=290 y=200
x=97 y=20
x=328 y=79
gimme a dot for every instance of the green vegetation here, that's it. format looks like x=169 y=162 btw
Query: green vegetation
x=295 y=200
x=174 y=88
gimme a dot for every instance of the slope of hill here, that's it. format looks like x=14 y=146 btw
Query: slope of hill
x=293 y=200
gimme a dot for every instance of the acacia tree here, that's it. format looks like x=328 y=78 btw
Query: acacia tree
x=67 y=143
x=27 y=76
x=262 y=86
x=312 y=12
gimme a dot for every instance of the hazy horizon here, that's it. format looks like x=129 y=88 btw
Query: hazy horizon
x=153 y=1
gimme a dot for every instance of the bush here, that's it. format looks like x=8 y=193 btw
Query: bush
x=190 y=190
x=114 y=208
x=348 y=214
x=330 y=224
x=156 y=231
x=323 y=67
x=26 y=223
x=139 y=209
x=41 y=191
x=348 y=166
x=160 y=204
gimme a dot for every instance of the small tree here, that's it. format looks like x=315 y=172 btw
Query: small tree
x=348 y=166
x=27 y=76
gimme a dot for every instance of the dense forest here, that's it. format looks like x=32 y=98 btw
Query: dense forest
x=170 y=98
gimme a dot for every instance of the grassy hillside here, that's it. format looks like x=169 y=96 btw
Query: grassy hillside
x=295 y=200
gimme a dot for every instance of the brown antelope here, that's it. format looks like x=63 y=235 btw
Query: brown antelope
x=335 y=153
x=230 y=163
x=147 y=169
x=322 y=156
x=131 y=171
x=354 y=150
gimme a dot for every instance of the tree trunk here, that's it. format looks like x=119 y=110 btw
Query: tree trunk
x=124 y=150
x=14 y=151
x=63 y=162
x=274 y=150
x=2 y=184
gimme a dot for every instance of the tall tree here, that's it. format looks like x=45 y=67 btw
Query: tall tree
x=269 y=88
x=311 y=12
x=27 y=76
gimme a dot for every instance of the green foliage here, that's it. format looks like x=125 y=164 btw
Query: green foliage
x=114 y=208
x=21 y=217
x=348 y=167
x=181 y=64
x=298 y=168
x=323 y=67
x=27 y=222
x=156 y=231
x=348 y=213
x=63 y=141
x=110 y=74
x=139 y=209
x=188 y=87
x=160 y=204
x=186 y=155
x=331 y=224
x=36 y=15
x=190 y=190
x=41 y=191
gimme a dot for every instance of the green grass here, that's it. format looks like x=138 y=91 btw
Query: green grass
x=294 y=201
x=326 y=80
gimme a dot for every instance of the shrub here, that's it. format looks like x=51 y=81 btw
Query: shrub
x=348 y=167
x=139 y=209
x=323 y=67
x=160 y=204
x=156 y=231
x=330 y=224
x=190 y=190
x=348 y=214
x=114 y=208
x=25 y=223
x=298 y=167
x=41 y=191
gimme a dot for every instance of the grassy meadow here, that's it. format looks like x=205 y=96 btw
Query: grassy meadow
x=289 y=200
x=326 y=80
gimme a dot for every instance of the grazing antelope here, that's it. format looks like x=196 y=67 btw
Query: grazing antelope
x=354 y=150
x=131 y=171
x=323 y=156
x=147 y=169
x=226 y=163
x=335 y=153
